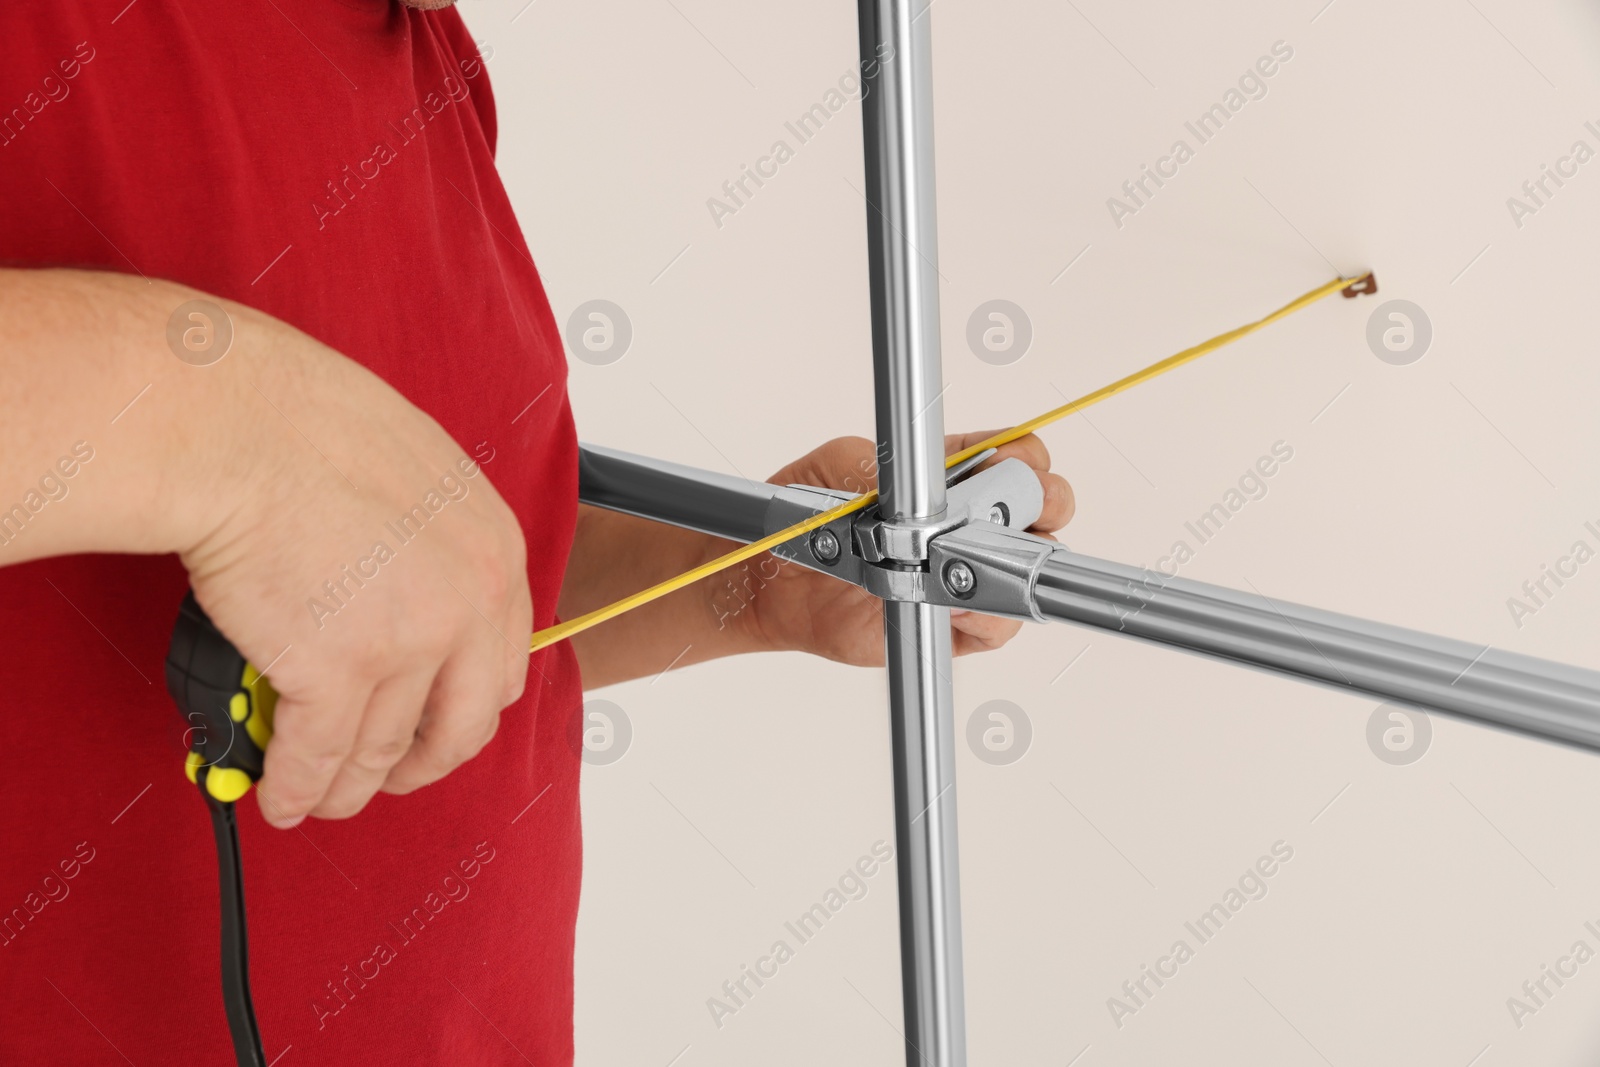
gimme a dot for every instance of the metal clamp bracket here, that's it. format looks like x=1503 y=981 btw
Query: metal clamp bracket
x=1006 y=494
x=893 y=561
x=988 y=568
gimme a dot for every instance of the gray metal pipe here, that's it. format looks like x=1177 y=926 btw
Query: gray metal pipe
x=902 y=258
x=1487 y=685
x=719 y=504
x=903 y=255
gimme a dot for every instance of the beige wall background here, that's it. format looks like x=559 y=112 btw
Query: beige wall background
x=1419 y=897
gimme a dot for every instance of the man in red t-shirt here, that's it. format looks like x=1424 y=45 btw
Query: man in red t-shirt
x=262 y=297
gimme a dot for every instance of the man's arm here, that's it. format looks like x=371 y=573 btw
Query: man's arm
x=269 y=472
x=614 y=555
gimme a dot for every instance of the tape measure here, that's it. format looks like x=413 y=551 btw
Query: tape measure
x=227 y=709
x=1365 y=283
x=225 y=702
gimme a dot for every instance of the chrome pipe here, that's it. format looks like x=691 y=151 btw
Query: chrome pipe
x=902 y=257
x=719 y=504
x=1530 y=696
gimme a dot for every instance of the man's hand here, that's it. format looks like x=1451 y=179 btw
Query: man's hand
x=397 y=675
x=276 y=474
x=763 y=604
x=791 y=607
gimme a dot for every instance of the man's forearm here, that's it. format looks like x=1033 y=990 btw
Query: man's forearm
x=105 y=431
x=614 y=555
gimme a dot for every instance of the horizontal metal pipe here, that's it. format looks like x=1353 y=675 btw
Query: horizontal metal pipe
x=719 y=504
x=1550 y=700
x=1531 y=696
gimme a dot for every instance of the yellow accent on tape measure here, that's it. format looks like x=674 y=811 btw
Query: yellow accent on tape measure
x=559 y=632
x=263 y=705
x=227 y=784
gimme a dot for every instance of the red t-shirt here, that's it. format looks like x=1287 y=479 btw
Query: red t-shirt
x=330 y=162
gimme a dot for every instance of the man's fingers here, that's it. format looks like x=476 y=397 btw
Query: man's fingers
x=847 y=463
x=310 y=740
x=850 y=463
x=1030 y=449
x=460 y=718
x=1059 y=504
x=971 y=632
x=517 y=657
x=388 y=729
x=955 y=442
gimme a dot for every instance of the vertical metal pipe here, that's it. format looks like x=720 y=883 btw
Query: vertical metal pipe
x=903 y=255
x=922 y=733
x=897 y=122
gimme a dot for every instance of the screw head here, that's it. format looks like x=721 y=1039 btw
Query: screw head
x=999 y=515
x=825 y=546
x=959 y=579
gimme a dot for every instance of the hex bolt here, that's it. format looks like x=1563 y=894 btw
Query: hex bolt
x=825 y=546
x=999 y=515
x=959 y=579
